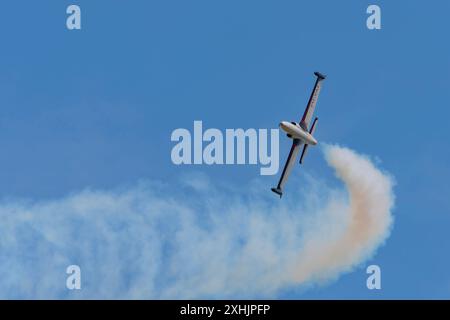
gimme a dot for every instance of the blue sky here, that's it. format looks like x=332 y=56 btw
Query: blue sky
x=96 y=107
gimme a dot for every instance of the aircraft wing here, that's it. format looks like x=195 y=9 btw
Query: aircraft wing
x=309 y=111
x=296 y=144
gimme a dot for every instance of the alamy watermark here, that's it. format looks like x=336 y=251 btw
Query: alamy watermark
x=73 y=281
x=235 y=146
x=374 y=280
x=73 y=21
x=373 y=22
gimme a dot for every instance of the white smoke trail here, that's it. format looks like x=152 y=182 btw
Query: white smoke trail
x=200 y=241
x=368 y=218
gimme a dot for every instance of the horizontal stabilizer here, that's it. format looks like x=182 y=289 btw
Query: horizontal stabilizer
x=278 y=191
x=313 y=127
x=305 y=148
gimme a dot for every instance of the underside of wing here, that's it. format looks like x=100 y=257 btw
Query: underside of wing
x=308 y=114
x=290 y=162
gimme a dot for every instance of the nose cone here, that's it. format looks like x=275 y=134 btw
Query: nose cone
x=284 y=124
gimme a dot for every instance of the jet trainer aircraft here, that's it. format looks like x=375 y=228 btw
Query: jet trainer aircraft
x=300 y=134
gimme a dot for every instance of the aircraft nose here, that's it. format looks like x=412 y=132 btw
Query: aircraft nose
x=283 y=124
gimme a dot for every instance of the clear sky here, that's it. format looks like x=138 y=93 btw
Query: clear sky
x=96 y=107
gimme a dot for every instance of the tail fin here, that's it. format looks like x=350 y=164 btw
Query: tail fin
x=305 y=148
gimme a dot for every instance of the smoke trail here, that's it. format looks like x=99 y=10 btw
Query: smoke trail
x=200 y=240
x=369 y=218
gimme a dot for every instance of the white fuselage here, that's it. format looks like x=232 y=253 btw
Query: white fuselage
x=297 y=132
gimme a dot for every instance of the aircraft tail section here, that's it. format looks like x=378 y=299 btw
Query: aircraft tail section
x=305 y=148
